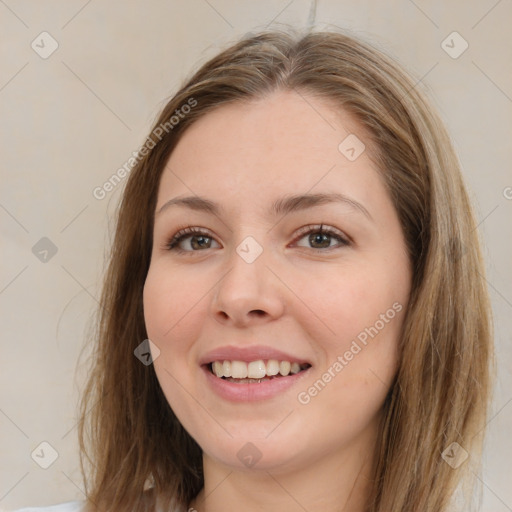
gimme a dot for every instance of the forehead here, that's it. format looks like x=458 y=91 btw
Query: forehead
x=285 y=142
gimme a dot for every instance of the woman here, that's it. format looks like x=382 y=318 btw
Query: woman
x=295 y=315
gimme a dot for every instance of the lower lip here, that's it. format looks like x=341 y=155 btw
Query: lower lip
x=250 y=392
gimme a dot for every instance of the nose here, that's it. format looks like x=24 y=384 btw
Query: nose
x=249 y=293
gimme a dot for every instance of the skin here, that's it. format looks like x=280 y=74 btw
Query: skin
x=297 y=296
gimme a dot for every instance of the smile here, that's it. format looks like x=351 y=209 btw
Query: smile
x=255 y=371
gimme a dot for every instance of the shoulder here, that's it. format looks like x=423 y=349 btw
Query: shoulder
x=70 y=506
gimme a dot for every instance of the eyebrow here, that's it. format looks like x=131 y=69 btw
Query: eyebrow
x=282 y=206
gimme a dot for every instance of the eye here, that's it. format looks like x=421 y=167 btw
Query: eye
x=188 y=240
x=320 y=238
x=193 y=239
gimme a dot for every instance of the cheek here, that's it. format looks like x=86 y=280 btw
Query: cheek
x=362 y=310
x=169 y=304
x=169 y=309
x=360 y=359
x=355 y=302
x=171 y=313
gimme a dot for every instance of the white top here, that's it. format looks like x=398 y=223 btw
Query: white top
x=70 y=506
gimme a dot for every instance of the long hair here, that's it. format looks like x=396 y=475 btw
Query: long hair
x=128 y=433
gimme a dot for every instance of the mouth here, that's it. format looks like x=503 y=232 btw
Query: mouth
x=255 y=372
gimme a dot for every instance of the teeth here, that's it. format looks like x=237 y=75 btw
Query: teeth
x=272 y=367
x=217 y=368
x=255 y=369
x=226 y=369
x=295 y=368
x=238 y=370
x=284 y=368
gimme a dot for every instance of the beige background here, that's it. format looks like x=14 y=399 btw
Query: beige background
x=69 y=121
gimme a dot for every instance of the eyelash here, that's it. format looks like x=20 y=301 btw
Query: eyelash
x=172 y=244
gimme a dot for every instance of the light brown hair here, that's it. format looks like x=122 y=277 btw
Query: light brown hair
x=441 y=393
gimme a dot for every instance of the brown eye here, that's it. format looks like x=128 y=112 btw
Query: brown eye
x=320 y=238
x=190 y=240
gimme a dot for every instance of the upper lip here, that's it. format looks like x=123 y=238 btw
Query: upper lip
x=248 y=354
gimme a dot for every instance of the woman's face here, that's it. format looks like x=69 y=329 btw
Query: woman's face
x=258 y=290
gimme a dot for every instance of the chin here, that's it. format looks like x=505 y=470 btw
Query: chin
x=255 y=455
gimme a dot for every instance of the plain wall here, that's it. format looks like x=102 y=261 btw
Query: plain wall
x=70 y=120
